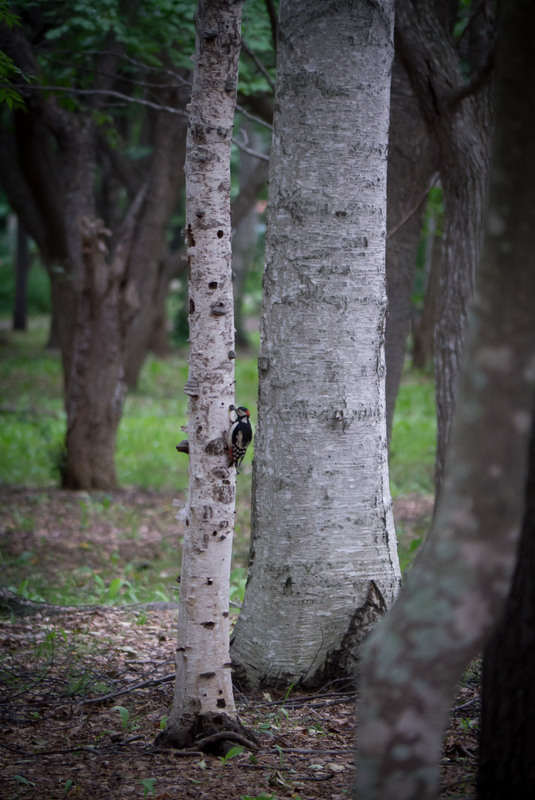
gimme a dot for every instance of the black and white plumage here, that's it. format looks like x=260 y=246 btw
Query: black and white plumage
x=239 y=435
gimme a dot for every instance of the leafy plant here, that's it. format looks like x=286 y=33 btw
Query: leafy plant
x=238 y=580
x=407 y=554
x=232 y=753
x=148 y=786
x=22 y=781
x=128 y=722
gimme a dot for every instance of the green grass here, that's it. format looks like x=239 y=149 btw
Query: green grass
x=412 y=450
x=124 y=566
x=33 y=420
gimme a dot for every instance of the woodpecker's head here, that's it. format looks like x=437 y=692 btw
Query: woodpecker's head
x=240 y=414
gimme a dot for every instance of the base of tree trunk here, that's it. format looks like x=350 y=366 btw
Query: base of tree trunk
x=210 y=732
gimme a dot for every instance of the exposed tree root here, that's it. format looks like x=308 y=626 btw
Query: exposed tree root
x=211 y=733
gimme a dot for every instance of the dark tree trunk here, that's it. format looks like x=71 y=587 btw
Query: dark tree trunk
x=507 y=741
x=148 y=254
x=95 y=390
x=423 y=327
x=458 y=114
x=507 y=745
x=244 y=235
x=411 y=163
x=456 y=590
x=22 y=266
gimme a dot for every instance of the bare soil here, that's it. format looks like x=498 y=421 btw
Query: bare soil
x=65 y=678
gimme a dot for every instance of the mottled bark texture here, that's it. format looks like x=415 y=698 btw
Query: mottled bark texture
x=324 y=563
x=458 y=114
x=455 y=591
x=203 y=700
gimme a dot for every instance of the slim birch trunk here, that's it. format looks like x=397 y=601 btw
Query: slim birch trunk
x=203 y=700
x=455 y=591
x=323 y=556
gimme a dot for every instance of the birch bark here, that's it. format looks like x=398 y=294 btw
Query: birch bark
x=203 y=700
x=323 y=556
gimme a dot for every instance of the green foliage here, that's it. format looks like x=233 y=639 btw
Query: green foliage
x=150 y=31
x=58 y=649
x=8 y=68
x=31 y=434
x=124 y=713
x=407 y=553
x=238 y=581
x=148 y=786
x=22 y=781
x=232 y=753
x=151 y=34
x=7 y=16
x=68 y=786
x=257 y=36
x=33 y=421
x=31 y=410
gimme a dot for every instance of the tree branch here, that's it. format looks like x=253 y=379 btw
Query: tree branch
x=474 y=83
x=255 y=153
x=253 y=117
x=109 y=92
x=258 y=63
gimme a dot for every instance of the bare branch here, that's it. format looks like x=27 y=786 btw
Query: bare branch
x=243 y=147
x=178 y=80
x=258 y=63
x=414 y=210
x=253 y=117
x=475 y=82
x=109 y=92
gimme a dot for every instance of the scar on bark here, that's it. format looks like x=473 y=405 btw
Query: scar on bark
x=190 y=239
x=344 y=660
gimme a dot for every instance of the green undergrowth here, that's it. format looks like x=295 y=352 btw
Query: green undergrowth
x=413 y=446
x=33 y=420
x=115 y=550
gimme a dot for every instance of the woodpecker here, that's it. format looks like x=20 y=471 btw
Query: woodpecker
x=239 y=435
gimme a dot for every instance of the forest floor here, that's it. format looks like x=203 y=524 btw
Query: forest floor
x=83 y=693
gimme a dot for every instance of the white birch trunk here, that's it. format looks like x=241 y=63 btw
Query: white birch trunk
x=324 y=558
x=203 y=697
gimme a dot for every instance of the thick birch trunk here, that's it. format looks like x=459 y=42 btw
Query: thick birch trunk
x=324 y=560
x=203 y=699
x=456 y=589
